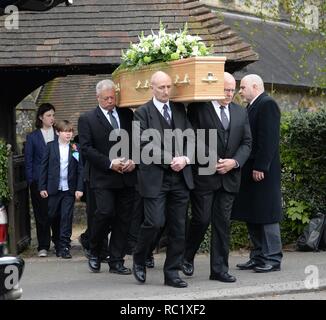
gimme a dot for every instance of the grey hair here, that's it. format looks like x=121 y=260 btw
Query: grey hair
x=105 y=84
x=255 y=79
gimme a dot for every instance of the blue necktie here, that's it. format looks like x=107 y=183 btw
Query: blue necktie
x=114 y=122
x=224 y=118
x=166 y=114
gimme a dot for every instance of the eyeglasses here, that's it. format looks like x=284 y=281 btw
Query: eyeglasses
x=229 y=90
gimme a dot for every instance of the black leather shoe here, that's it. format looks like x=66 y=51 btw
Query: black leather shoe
x=119 y=268
x=267 y=268
x=94 y=264
x=139 y=272
x=65 y=254
x=223 y=277
x=175 y=282
x=188 y=268
x=249 y=265
x=150 y=262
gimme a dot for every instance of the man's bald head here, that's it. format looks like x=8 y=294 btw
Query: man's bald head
x=161 y=85
x=251 y=86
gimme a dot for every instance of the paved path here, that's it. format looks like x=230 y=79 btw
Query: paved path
x=55 y=278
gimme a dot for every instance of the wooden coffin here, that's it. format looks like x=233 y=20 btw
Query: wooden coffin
x=193 y=79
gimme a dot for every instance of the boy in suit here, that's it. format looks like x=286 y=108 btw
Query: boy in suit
x=61 y=180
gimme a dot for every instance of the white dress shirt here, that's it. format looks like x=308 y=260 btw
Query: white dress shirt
x=114 y=113
x=218 y=110
x=64 y=161
x=159 y=106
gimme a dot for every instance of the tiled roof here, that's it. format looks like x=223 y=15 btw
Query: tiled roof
x=93 y=32
x=71 y=95
x=281 y=59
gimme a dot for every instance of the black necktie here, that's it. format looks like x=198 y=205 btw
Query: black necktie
x=114 y=122
x=224 y=118
x=166 y=114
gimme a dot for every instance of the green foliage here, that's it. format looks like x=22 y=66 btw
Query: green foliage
x=4 y=188
x=238 y=237
x=162 y=47
x=303 y=155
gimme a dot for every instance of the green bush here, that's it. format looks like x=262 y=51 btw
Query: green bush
x=303 y=157
x=4 y=188
x=239 y=237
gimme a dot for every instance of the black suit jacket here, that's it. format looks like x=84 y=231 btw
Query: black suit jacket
x=94 y=130
x=150 y=176
x=50 y=170
x=203 y=116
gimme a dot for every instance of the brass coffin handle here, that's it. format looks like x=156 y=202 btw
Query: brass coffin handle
x=210 y=78
x=117 y=88
x=139 y=86
x=185 y=80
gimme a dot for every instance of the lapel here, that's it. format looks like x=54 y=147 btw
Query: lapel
x=56 y=149
x=177 y=117
x=70 y=153
x=40 y=138
x=121 y=118
x=256 y=102
x=154 y=115
x=233 y=121
x=216 y=120
x=102 y=119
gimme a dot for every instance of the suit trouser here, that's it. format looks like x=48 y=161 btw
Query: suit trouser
x=168 y=207
x=40 y=208
x=266 y=241
x=136 y=221
x=61 y=208
x=43 y=225
x=114 y=207
x=90 y=212
x=213 y=206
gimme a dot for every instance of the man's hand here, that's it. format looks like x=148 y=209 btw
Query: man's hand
x=257 y=175
x=44 y=194
x=118 y=164
x=128 y=166
x=225 y=165
x=78 y=195
x=178 y=163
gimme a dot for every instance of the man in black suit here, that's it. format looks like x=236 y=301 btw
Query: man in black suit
x=164 y=183
x=111 y=175
x=259 y=200
x=214 y=193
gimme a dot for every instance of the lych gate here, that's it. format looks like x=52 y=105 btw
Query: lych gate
x=87 y=38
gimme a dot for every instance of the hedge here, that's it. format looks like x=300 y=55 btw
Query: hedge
x=303 y=157
x=4 y=188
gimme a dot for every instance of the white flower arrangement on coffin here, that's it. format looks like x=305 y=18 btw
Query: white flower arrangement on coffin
x=163 y=47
